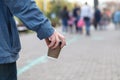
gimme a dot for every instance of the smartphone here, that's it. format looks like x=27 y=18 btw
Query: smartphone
x=54 y=53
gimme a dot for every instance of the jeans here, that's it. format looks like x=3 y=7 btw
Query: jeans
x=8 y=71
x=76 y=27
x=65 y=25
x=87 y=23
x=95 y=25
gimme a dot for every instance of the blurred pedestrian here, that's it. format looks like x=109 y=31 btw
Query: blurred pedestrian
x=65 y=17
x=71 y=22
x=104 y=20
x=76 y=13
x=116 y=19
x=86 y=14
x=34 y=19
x=80 y=25
x=97 y=18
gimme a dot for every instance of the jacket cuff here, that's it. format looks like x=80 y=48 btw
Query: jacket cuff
x=45 y=31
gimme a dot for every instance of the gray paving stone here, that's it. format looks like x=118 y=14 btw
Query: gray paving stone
x=87 y=58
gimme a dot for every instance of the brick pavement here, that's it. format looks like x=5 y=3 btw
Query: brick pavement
x=87 y=58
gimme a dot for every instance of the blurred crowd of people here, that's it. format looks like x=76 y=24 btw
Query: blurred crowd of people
x=81 y=18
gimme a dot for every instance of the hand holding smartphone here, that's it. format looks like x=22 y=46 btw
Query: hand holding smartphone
x=54 y=44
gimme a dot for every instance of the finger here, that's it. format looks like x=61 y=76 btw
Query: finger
x=47 y=41
x=56 y=43
x=63 y=41
x=52 y=42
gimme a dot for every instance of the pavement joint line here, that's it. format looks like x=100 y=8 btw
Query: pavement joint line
x=27 y=67
x=43 y=59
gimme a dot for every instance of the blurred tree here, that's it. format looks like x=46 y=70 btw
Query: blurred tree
x=50 y=7
x=44 y=5
x=57 y=6
x=39 y=4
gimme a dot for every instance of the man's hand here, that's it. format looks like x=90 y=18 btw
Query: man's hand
x=54 y=40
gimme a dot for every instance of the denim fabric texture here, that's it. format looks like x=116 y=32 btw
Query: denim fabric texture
x=30 y=15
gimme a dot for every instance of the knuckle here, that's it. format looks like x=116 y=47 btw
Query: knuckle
x=63 y=37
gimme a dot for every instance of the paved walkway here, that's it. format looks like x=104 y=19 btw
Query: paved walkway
x=84 y=58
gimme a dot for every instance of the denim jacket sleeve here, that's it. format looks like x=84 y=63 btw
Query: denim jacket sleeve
x=31 y=16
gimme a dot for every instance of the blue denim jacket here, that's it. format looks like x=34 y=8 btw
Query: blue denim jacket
x=30 y=15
